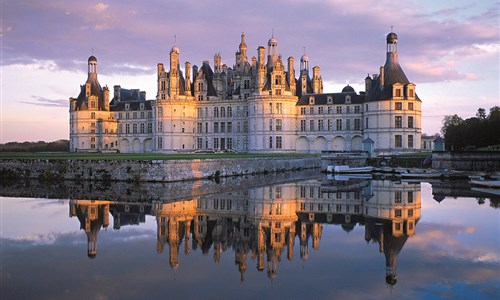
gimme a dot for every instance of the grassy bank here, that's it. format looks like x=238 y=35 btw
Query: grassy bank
x=135 y=156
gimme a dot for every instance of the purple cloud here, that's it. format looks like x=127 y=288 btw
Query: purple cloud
x=41 y=101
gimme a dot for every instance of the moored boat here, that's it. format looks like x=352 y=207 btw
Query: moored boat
x=487 y=183
x=347 y=169
x=421 y=173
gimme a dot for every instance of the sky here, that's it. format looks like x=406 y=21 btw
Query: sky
x=450 y=49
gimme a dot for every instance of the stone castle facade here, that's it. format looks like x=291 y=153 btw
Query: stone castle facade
x=260 y=104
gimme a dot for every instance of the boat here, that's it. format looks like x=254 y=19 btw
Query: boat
x=487 y=183
x=347 y=177
x=421 y=173
x=490 y=191
x=347 y=169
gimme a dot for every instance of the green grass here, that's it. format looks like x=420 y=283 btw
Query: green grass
x=423 y=154
x=135 y=156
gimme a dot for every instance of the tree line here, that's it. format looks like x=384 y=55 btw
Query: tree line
x=482 y=130
x=40 y=146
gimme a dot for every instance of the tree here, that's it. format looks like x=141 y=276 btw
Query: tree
x=481 y=113
x=449 y=121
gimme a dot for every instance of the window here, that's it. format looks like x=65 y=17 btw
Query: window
x=216 y=143
x=398 y=213
x=160 y=127
x=142 y=115
x=410 y=213
x=366 y=123
x=134 y=115
x=398 y=92
x=311 y=110
x=347 y=124
x=311 y=125
x=92 y=115
x=160 y=142
x=356 y=109
x=410 y=122
x=222 y=127
x=199 y=127
x=279 y=108
x=339 y=124
x=411 y=93
x=279 y=125
x=229 y=112
x=399 y=105
x=302 y=125
x=199 y=143
x=320 y=125
x=410 y=105
x=357 y=124
x=277 y=79
x=216 y=127
x=150 y=127
x=397 y=197
x=271 y=125
x=279 y=142
x=222 y=112
x=127 y=115
x=229 y=127
x=330 y=110
x=330 y=124
x=410 y=197
x=246 y=84
x=302 y=110
x=271 y=142
x=127 y=128
x=398 y=121
x=216 y=112
x=134 y=128
x=143 y=128
x=348 y=110
x=320 y=110
x=339 y=109
x=410 y=141
x=398 y=141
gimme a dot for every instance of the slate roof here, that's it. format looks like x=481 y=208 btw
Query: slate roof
x=337 y=98
x=134 y=105
x=393 y=73
x=96 y=90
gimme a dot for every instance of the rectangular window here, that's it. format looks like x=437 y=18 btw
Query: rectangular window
x=279 y=108
x=398 y=92
x=348 y=110
x=399 y=105
x=229 y=127
x=410 y=122
x=398 y=213
x=270 y=108
x=142 y=115
x=160 y=143
x=199 y=127
x=348 y=124
x=410 y=141
x=356 y=109
x=398 y=121
x=398 y=197
x=398 y=141
x=143 y=128
x=271 y=125
x=279 y=125
x=279 y=142
x=216 y=112
x=134 y=115
x=311 y=125
x=134 y=128
x=150 y=127
x=320 y=125
x=127 y=128
x=302 y=110
x=229 y=112
x=302 y=125
x=410 y=105
x=320 y=110
x=410 y=213
x=160 y=126
x=357 y=124
x=410 y=197
x=330 y=110
x=222 y=127
x=216 y=143
x=411 y=93
x=330 y=124
x=339 y=124
x=311 y=110
x=92 y=115
x=216 y=127
x=270 y=142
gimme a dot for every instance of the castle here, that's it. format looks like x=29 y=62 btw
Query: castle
x=258 y=105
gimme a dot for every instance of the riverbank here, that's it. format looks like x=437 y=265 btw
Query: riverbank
x=151 y=170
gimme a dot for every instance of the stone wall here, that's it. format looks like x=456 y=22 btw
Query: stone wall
x=467 y=161
x=150 y=170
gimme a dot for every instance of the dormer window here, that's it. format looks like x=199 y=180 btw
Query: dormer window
x=329 y=100
x=311 y=100
x=127 y=106
x=142 y=106
x=348 y=99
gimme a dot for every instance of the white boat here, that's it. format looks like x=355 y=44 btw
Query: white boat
x=347 y=169
x=347 y=177
x=490 y=191
x=421 y=174
x=488 y=183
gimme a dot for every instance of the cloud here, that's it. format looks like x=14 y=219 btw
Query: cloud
x=41 y=101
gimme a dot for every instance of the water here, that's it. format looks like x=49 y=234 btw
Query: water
x=289 y=237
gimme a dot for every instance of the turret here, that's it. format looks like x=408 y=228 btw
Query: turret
x=272 y=52
x=92 y=68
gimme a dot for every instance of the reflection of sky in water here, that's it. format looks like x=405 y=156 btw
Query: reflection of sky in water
x=454 y=253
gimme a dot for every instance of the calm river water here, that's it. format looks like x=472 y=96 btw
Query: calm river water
x=301 y=236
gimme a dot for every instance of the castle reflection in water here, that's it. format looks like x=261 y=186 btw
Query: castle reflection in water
x=261 y=224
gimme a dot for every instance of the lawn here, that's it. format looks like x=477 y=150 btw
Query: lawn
x=136 y=156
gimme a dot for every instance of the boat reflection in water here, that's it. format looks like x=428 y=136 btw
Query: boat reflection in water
x=261 y=225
